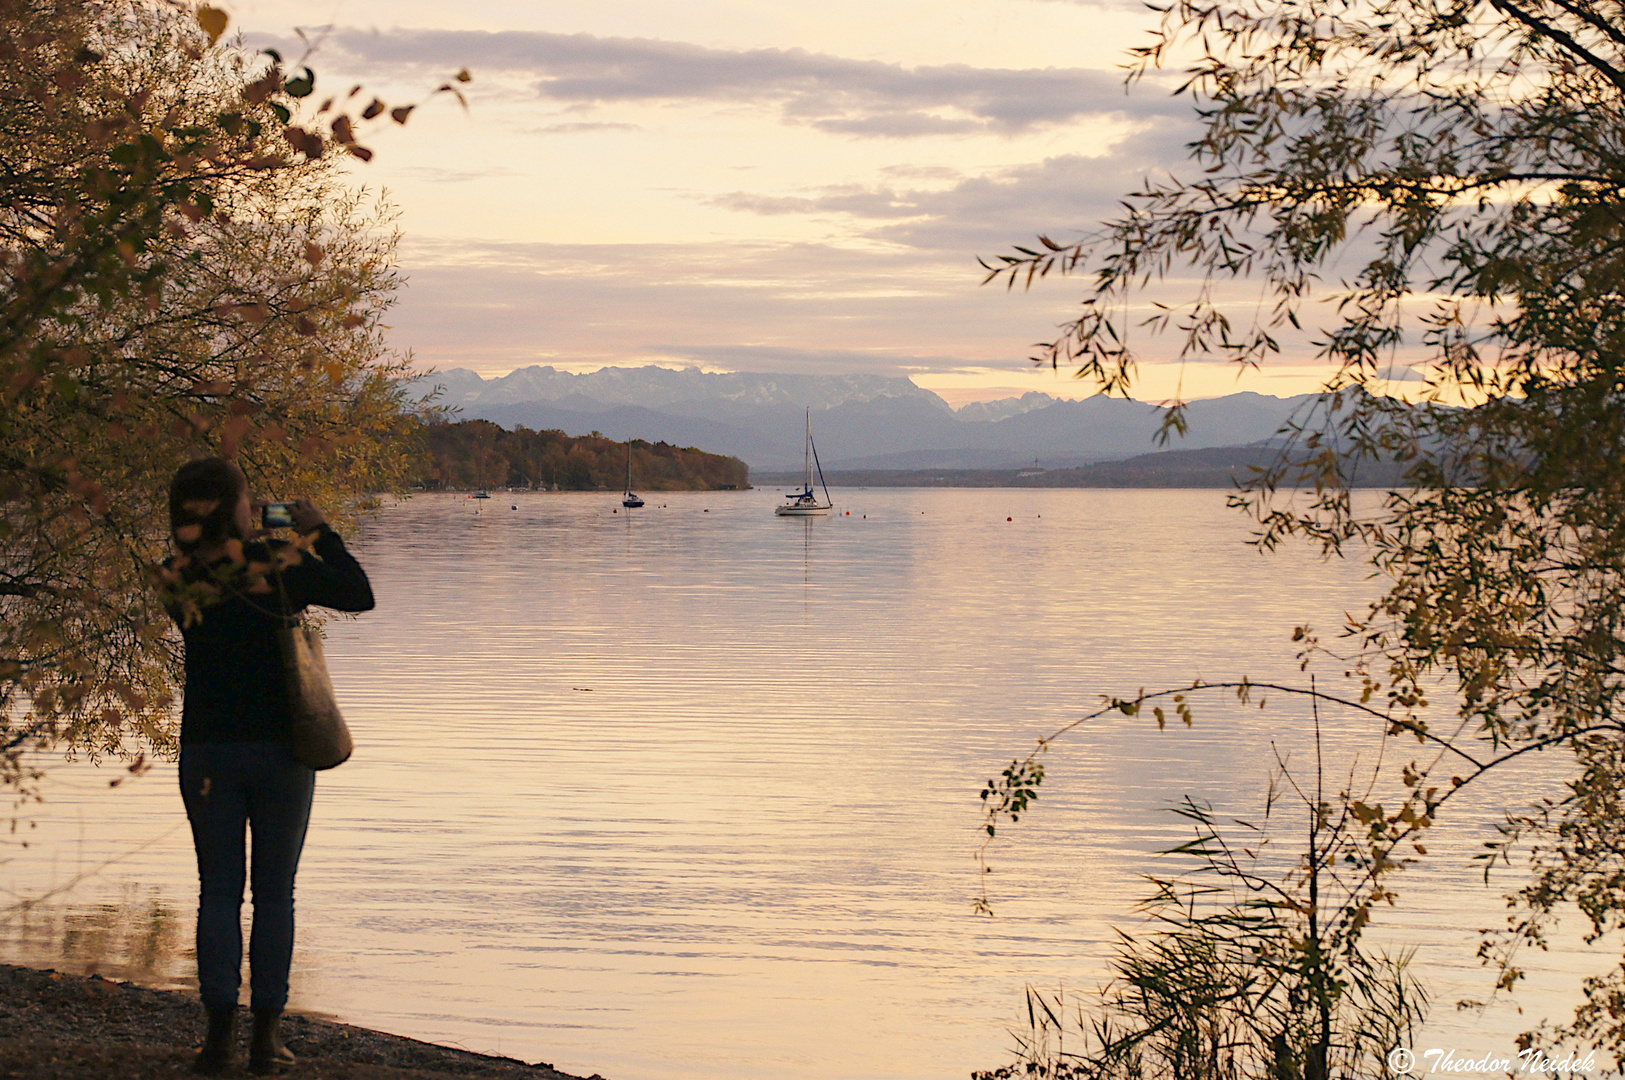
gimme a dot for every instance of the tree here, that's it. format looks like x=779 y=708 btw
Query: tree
x=182 y=271
x=1434 y=187
x=480 y=454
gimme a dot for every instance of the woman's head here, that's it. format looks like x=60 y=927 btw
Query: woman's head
x=208 y=502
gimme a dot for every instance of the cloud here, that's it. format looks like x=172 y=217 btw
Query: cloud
x=791 y=309
x=831 y=93
x=921 y=172
x=805 y=361
x=580 y=126
x=1064 y=197
x=497 y=306
x=846 y=199
x=909 y=293
x=1137 y=6
x=898 y=125
x=442 y=174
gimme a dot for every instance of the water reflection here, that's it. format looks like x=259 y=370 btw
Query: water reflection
x=139 y=935
x=620 y=802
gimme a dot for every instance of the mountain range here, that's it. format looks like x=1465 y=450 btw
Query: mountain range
x=859 y=421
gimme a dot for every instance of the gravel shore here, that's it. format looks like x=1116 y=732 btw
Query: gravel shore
x=69 y=1027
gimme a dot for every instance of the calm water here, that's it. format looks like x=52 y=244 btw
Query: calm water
x=692 y=792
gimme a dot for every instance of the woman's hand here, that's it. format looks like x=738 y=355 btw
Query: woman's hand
x=307 y=516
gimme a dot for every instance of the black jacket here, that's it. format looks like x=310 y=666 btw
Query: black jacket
x=235 y=690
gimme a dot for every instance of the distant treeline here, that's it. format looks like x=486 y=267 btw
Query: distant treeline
x=1220 y=466
x=480 y=454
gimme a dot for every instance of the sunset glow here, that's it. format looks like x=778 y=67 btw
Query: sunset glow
x=789 y=186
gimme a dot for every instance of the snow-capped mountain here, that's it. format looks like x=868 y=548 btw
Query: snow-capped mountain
x=859 y=421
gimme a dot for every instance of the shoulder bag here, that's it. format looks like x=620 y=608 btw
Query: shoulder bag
x=321 y=739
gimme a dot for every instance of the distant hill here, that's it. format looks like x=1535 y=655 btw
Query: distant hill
x=867 y=422
x=1220 y=467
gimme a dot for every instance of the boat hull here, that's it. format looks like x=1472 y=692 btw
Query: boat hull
x=801 y=511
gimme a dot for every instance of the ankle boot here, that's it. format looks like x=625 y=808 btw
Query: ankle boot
x=266 y=1054
x=219 y=1044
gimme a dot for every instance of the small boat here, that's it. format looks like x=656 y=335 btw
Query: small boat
x=480 y=495
x=629 y=500
x=804 y=503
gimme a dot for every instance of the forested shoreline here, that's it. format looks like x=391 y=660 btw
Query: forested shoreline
x=481 y=454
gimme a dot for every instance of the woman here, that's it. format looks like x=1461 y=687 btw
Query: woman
x=230 y=592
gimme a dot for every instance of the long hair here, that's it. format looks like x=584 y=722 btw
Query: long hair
x=203 y=499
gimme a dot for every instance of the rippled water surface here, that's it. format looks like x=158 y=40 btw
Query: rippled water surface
x=691 y=792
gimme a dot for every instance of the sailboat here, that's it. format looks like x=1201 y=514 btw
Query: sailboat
x=629 y=500
x=804 y=503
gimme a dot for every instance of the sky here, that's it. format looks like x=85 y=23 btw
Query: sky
x=780 y=185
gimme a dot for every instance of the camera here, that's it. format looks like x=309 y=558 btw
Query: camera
x=277 y=516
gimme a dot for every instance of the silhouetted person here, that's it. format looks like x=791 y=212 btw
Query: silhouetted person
x=237 y=766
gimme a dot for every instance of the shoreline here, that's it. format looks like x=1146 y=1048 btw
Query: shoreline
x=57 y=1026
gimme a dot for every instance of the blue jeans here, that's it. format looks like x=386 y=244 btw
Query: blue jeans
x=227 y=786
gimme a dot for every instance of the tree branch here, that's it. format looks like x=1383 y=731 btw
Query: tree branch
x=1563 y=38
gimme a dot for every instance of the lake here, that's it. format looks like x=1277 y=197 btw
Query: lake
x=692 y=791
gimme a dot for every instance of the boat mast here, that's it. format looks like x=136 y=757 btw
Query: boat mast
x=809 y=450
x=820 y=465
